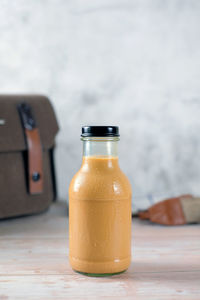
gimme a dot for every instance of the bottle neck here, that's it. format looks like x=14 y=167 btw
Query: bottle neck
x=100 y=147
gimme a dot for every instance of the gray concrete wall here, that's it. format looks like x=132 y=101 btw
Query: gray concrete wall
x=132 y=63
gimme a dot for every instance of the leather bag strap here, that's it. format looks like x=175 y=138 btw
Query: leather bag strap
x=35 y=163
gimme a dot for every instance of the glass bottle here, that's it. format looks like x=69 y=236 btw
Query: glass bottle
x=100 y=207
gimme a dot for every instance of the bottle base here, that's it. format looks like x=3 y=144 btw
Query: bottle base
x=106 y=268
x=100 y=274
x=102 y=268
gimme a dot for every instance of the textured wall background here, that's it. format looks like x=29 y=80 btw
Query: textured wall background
x=133 y=63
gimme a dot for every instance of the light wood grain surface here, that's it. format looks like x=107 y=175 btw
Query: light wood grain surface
x=34 y=262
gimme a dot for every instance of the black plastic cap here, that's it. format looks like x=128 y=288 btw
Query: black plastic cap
x=100 y=131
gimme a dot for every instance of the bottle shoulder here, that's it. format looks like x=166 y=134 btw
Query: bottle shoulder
x=96 y=185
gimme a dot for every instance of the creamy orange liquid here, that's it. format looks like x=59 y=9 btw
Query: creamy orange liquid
x=100 y=217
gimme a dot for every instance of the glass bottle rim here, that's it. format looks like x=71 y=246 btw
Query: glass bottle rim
x=100 y=138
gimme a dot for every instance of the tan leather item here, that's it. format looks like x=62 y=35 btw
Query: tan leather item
x=35 y=169
x=167 y=212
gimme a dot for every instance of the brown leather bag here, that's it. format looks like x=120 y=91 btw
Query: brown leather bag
x=28 y=128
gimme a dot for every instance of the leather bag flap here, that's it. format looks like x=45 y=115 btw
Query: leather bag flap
x=11 y=130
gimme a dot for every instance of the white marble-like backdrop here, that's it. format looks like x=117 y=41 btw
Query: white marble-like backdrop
x=132 y=63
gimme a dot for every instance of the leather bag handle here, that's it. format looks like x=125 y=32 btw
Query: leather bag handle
x=35 y=168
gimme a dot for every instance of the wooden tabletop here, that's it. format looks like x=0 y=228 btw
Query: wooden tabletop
x=34 y=262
